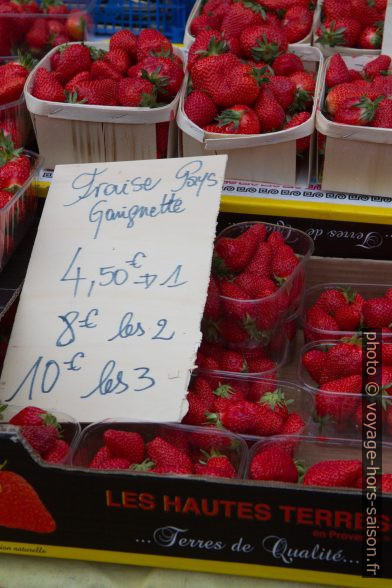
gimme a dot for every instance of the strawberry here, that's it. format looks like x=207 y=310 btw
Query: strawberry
x=236 y=252
x=21 y=507
x=306 y=84
x=284 y=89
x=276 y=403
x=349 y=317
x=235 y=300
x=297 y=23
x=286 y=64
x=319 y=320
x=370 y=38
x=209 y=74
x=239 y=119
x=261 y=261
x=197 y=409
x=334 y=473
x=241 y=87
x=172 y=468
x=231 y=361
x=386 y=483
x=357 y=112
x=295 y=121
x=11 y=88
x=342 y=31
x=344 y=359
x=112 y=463
x=337 y=400
x=204 y=22
x=275 y=464
x=136 y=92
x=47 y=87
x=213 y=303
x=354 y=75
x=125 y=40
x=37 y=38
x=5 y=198
x=263 y=43
x=239 y=417
x=383 y=116
x=20 y=67
x=271 y=114
x=294 y=424
x=232 y=332
x=254 y=284
x=387 y=354
x=124 y=444
x=203 y=389
x=164 y=454
x=217 y=466
x=330 y=300
x=200 y=108
x=32 y=416
x=58 y=452
x=151 y=42
x=335 y=9
x=260 y=365
x=82 y=76
x=207 y=43
x=283 y=263
x=238 y=18
x=377 y=313
x=42 y=439
x=14 y=166
x=337 y=72
x=366 y=12
x=100 y=70
x=377 y=66
x=314 y=362
x=102 y=92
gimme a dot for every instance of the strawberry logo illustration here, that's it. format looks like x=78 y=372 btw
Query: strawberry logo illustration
x=21 y=507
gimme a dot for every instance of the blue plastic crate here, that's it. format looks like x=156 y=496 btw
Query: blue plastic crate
x=167 y=16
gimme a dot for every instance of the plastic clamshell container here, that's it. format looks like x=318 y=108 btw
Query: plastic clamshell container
x=14 y=116
x=17 y=26
x=91 y=133
x=254 y=387
x=18 y=214
x=91 y=439
x=345 y=146
x=336 y=414
x=312 y=295
x=287 y=300
x=268 y=157
x=328 y=51
x=196 y=10
x=70 y=428
x=312 y=450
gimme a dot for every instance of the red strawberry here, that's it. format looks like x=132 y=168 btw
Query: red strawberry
x=209 y=74
x=235 y=300
x=231 y=361
x=306 y=85
x=236 y=252
x=284 y=89
x=366 y=12
x=331 y=300
x=217 y=466
x=80 y=77
x=239 y=119
x=14 y=166
x=58 y=452
x=197 y=410
x=348 y=317
x=164 y=454
x=37 y=38
x=356 y=112
x=136 y=92
x=335 y=9
x=298 y=119
x=31 y=415
x=337 y=72
x=125 y=40
x=263 y=43
x=260 y=365
x=237 y=18
x=101 y=70
x=344 y=359
x=102 y=92
x=152 y=42
x=47 y=87
x=317 y=321
x=200 y=108
x=73 y=59
x=112 y=463
x=338 y=399
x=271 y=114
x=213 y=303
x=294 y=425
x=11 y=88
x=342 y=31
x=334 y=473
x=21 y=507
x=203 y=389
x=297 y=23
x=284 y=263
x=338 y=94
x=42 y=439
x=118 y=59
x=232 y=332
x=387 y=354
x=314 y=362
x=124 y=444
x=383 y=116
x=377 y=313
x=370 y=38
x=204 y=22
x=275 y=464
x=386 y=483
x=164 y=73
x=240 y=417
x=261 y=262
x=286 y=64
x=207 y=43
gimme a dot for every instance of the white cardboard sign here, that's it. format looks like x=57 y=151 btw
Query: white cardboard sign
x=108 y=322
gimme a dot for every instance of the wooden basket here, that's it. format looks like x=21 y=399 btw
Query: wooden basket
x=269 y=157
x=79 y=133
x=357 y=159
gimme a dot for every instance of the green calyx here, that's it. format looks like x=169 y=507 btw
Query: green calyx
x=7 y=149
x=301 y=469
x=210 y=330
x=2 y=409
x=26 y=60
x=208 y=454
x=215 y=47
x=349 y=295
x=257 y=8
x=332 y=37
x=212 y=418
x=3 y=465
x=368 y=108
x=73 y=98
x=258 y=74
x=228 y=117
x=254 y=333
x=301 y=100
x=97 y=54
x=144 y=466
x=148 y=100
x=159 y=81
x=223 y=391
x=219 y=267
x=276 y=398
x=49 y=420
x=265 y=51
x=48 y=3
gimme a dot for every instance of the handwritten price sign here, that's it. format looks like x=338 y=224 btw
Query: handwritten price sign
x=109 y=318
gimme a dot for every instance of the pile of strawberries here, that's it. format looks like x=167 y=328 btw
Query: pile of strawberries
x=292 y=18
x=337 y=370
x=137 y=71
x=251 y=407
x=360 y=98
x=15 y=169
x=275 y=462
x=343 y=309
x=248 y=84
x=248 y=294
x=42 y=431
x=54 y=24
x=352 y=23
x=183 y=452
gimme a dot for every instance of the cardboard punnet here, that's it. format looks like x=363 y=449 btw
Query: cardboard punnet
x=269 y=157
x=189 y=38
x=89 y=133
x=357 y=159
